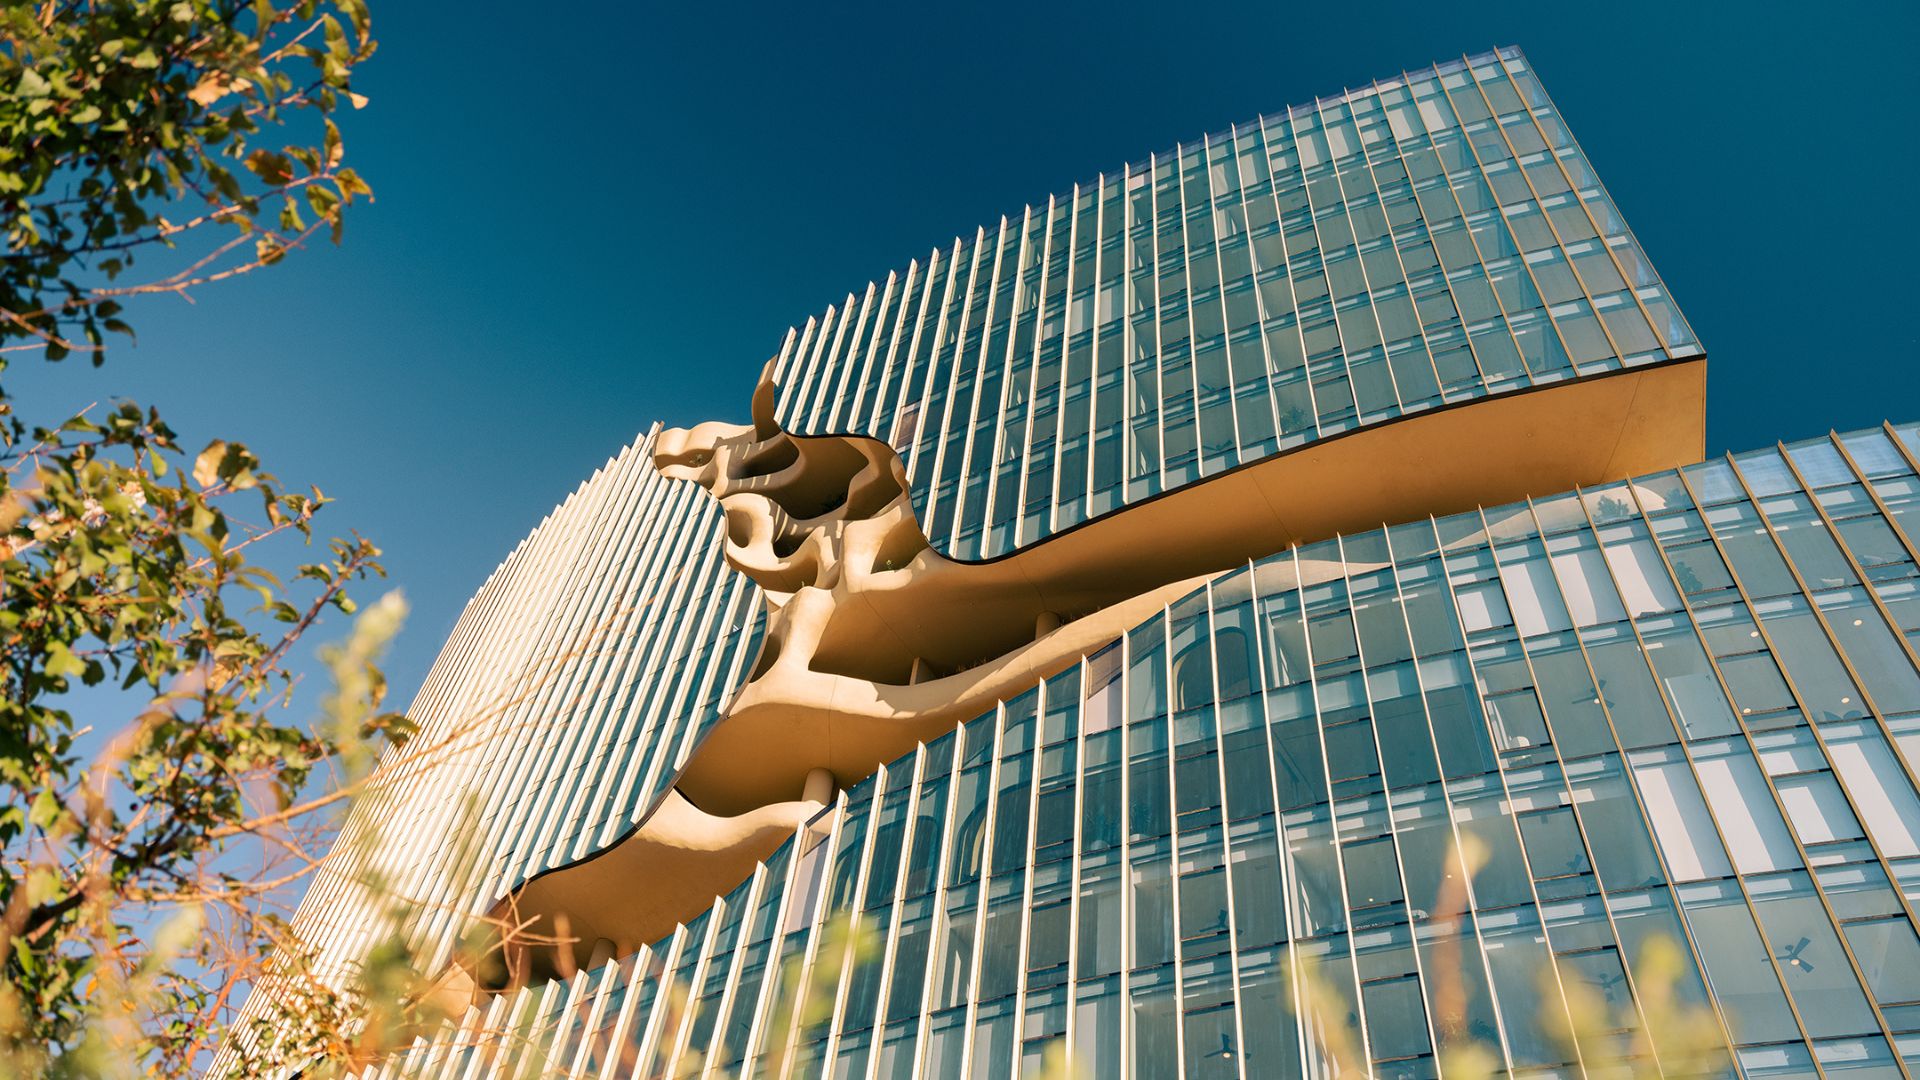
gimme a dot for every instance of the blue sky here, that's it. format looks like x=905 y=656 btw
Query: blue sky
x=596 y=215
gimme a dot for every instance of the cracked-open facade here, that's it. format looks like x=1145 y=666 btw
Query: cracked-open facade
x=1118 y=607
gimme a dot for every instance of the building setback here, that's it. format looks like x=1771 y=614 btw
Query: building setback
x=1263 y=613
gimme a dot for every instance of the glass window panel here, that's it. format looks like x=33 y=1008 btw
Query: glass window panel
x=1713 y=482
x=1373 y=875
x=1249 y=780
x=1148 y=796
x=1234 y=657
x=1533 y=596
x=1152 y=912
x=1613 y=824
x=1423 y=833
x=1464 y=985
x=1573 y=706
x=1212 y=1053
x=1286 y=646
x=1872 y=541
x=1889 y=955
x=1784 y=1061
x=1146 y=673
x=1749 y=547
x=1880 y=788
x=1396 y=1018
x=1430 y=614
x=1553 y=844
x=1197 y=779
x=1691 y=687
x=1803 y=649
x=1406 y=749
x=1383 y=633
x=1858 y=1059
x=1101 y=928
x=1102 y=710
x=1820 y=462
x=1482 y=606
x=1516 y=720
x=1317 y=906
x=1193 y=677
x=1458 y=728
x=1156 y=1050
x=1339 y=1004
x=1516 y=953
x=1884 y=666
x=1766 y=472
x=1100 y=797
x=1606 y=979
x=1756 y=835
x=1626 y=686
x=1049 y=929
x=1502 y=878
x=1297 y=764
x=1000 y=949
x=1811 y=961
x=1810 y=546
x=1647 y=927
x=1350 y=751
x=1756 y=683
x=1590 y=595
x=1614 y=503
x=1742 y=978
x=1698 y=567
x=1874 y=452
x=1332 y=639
x=1257 y=914
x=1203 y=904
x=1680 y=819
x=1644 y=584
x=1858 y=890
x=1817 y=809
x=1271 y=1043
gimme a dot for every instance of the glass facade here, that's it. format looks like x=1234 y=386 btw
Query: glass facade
x=1681 y=708
x=1428 y=239
x=565 y=699
x=1410 y=802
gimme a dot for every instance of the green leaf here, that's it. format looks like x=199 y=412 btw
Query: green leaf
x=61 y=662
x=270 y=167
x=32 y=85
x=46 y=810
x=323 y=201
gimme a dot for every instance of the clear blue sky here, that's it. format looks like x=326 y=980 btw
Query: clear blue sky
x=594 y=215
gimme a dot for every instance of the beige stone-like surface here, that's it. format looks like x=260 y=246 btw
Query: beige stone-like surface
x=875 y=641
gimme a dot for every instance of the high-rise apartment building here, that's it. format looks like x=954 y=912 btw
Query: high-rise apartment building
x=1263 y=613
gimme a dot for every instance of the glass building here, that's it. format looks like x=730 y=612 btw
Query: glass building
x=1606 y=768
x=1425 y=240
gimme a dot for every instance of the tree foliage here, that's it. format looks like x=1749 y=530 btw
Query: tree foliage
x=152 y=147
x=137 y=150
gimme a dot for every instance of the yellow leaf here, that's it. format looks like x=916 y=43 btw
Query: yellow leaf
x=206 y=467
x=216 y=86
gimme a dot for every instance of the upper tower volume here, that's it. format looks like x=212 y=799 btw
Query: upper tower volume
x=1424 y=241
